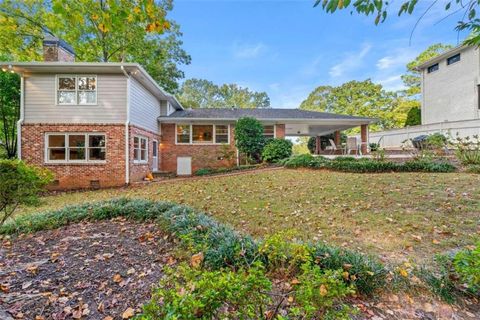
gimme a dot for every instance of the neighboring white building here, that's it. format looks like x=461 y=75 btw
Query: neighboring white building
x=450 y=98
x=450 y=86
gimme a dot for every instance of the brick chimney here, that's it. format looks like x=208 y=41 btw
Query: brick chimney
x=55 y=49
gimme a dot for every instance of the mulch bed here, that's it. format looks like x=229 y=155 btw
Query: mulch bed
x=95 y=270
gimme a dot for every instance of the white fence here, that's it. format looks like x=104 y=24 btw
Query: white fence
x=396 y=137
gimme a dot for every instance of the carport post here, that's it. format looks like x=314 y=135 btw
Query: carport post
x=364 y=138
x=336 y=138
x=317 y=145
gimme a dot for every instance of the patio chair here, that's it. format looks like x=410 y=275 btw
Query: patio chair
x=352 y=145
x=332 y=147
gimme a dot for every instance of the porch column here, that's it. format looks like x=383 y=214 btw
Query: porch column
x=364 y=138
x=317 y=145
x=336 y=138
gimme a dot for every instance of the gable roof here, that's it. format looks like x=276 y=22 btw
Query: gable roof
x=272 y=114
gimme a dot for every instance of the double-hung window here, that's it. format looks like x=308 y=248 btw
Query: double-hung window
x=75 y=147
x=269 y=131
x=140 y=149
x=202 y=134
x=76 y=90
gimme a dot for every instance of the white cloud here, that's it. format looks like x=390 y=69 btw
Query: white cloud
x=397 y=59
x=352 y=61
x=248 y=51
x=392 y=83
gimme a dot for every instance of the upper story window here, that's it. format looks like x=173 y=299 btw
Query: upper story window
x=433 y=68
x=453 y=59
x=76 y=90
x=269 y=131
x=75 y=147
x=202 y=134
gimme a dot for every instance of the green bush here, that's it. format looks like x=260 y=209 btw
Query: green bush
x=187 y=293
x=467 y=266
x=20 y=184
x=351 y=164
x=249 y=138
x=277 y=149
x=318 y=291
x=209 y=171
x=441 y=280
x=468 y=150
x=366 y=273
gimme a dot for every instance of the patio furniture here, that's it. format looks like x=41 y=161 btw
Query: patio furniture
x=332 y=147
x=352 y=145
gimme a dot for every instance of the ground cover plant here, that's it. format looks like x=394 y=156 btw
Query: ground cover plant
x=397 y=216
x=210 y=171
x=236 y=268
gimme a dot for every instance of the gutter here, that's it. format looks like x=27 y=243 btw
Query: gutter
x=22 y=117
x=127 y=130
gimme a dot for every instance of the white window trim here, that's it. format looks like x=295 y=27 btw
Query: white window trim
x=67 y=147
x=147 y=153
x=76 y=76
x=202 y=144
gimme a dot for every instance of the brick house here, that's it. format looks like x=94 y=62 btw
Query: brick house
x=110 y=124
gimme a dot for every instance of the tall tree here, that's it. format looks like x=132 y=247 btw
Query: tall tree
x=9 y=112
x=360 y=98
x=412 y=79
x=201 y=93
x=380 y=9
x=99 y=30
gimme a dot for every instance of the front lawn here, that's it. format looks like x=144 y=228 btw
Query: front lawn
x=397 y=216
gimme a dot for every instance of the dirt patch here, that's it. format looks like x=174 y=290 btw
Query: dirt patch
x=88 y=270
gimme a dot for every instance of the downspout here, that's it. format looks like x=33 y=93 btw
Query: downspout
x=127 y=130
x=20 y=121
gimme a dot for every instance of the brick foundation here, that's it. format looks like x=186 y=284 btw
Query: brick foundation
x=77 y=176
x=203 y=156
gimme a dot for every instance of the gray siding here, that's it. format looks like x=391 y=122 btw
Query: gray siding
x=144 y=107
x=40 y=101
x=450 y=93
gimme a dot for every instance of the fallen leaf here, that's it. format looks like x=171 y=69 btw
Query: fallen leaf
x=196 y=260
x=127 y=314
x=117 y=278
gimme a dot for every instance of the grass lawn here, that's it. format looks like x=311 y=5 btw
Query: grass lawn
x=397 y=216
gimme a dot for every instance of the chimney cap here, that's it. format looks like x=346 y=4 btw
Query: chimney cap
x=50 y=40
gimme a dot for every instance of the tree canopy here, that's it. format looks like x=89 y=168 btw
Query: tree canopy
x=412 y=79
x=360 y=98
x=9 y=112
x=98 y=30
x=380 y=9
x=200 y=93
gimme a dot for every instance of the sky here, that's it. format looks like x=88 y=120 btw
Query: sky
x=288 y=48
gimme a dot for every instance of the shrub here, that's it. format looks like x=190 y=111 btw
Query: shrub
x=188 y=293
x=467 y=266
x=249 y=137
x=366 y=273
x=298 y=161
x=468 y=150
x=20 y=184
x=209 y=171
x=277 y=149
x=427 y=166
x=374 y=146
x=312 y=144
x=318 y=291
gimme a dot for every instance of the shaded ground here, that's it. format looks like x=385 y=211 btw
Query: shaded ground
x=397 y=216
x=88 y=271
